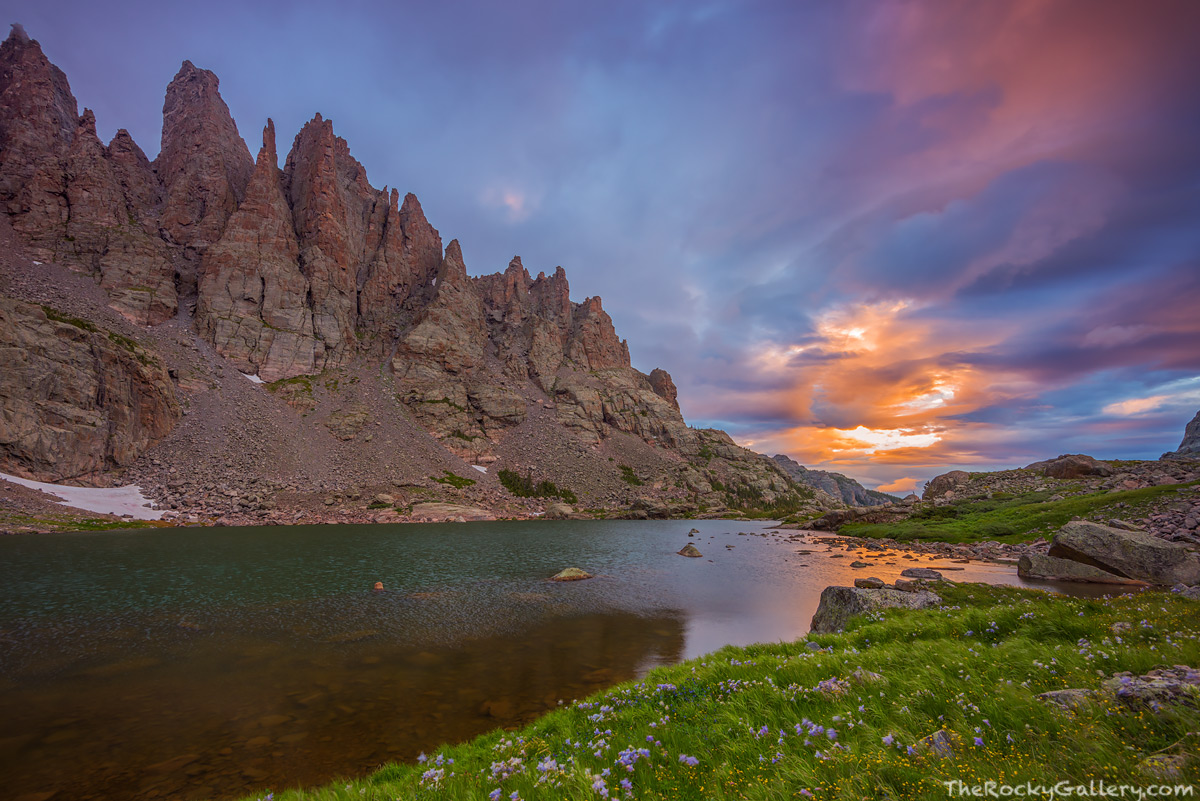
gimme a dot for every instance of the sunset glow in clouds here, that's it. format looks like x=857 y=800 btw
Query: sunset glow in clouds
x=885 y=238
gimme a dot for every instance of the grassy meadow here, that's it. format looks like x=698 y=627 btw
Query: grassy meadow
x=1014 y=518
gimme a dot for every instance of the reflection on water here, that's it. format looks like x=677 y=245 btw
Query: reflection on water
x=210 y=714
x=213 y=663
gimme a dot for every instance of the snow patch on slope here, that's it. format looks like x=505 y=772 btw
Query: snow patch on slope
x=126 y=500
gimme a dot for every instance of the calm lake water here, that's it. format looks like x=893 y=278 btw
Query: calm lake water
x=210 y=663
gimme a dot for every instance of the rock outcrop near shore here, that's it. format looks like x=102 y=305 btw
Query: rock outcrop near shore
x=1127 y=554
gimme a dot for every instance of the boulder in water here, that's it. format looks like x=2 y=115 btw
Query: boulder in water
x=571 y=574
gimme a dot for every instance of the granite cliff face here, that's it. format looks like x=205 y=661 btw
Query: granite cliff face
x=309 y=279
x=78 y=400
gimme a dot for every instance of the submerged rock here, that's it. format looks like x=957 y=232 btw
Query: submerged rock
x=690 y=550
x=839 y=604
x=921 y=573
x=571 y=574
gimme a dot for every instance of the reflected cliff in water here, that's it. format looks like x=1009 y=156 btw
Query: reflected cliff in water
x=211 y=714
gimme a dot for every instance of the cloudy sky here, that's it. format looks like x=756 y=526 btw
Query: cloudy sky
x=885 y=238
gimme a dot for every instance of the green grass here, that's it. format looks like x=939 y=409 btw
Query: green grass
x=302 y=383
x=1011 y=519
x=630 y=477
x=59 y=317
x=523 y=486
x=454 y=480
x=756 y=719
x=448 y=402
x=66 y=522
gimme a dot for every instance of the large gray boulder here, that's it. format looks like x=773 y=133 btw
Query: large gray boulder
x=839 y=604
x=1072 y=465
x=940 y=485
x=1130 y=554
x=1040 y=566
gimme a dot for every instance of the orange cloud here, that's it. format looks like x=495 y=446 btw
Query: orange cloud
x=1042 y=70
x=881 y=385
x=901 y=486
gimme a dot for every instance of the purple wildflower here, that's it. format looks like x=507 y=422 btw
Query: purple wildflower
x=494 y=795
x=889 y=739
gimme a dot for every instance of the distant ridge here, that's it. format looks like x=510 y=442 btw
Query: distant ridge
x=837 y=485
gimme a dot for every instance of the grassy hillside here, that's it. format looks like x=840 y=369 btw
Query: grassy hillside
x=1014 y=518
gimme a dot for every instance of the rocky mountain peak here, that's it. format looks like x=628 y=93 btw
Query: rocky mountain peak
x=836 y=485
x=253 y=299
x=664 y=387
x=87 y=124
x=204 y=166
x=133 y=171
x=593 y=341
x=1189 y=448
x=268 y=145
x=38 y=114
x=454 y=269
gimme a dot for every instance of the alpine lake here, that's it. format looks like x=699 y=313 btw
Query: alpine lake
x=211 y=663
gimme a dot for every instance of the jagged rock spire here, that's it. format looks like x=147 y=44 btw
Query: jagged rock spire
x=204 y=166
